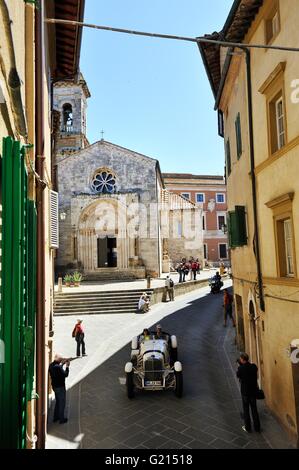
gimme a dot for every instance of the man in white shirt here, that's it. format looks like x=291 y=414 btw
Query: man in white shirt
x=143 y=304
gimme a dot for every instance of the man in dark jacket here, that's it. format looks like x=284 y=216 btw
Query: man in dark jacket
x=247 y=374
x=58 y=376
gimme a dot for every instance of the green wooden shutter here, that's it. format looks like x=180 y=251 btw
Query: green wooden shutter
x=17 y=308
x=238 y=136
x=241 y=225
x=228 y=158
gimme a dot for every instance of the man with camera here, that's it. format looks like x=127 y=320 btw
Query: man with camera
x=247 y=374
x=58 y=375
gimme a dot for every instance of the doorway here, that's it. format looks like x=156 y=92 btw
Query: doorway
x=107 y=252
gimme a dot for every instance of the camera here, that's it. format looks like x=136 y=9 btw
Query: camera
x=238 y=361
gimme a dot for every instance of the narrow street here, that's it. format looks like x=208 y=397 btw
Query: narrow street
x=207 y=417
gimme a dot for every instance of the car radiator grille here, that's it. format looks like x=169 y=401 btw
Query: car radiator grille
x=153 y=369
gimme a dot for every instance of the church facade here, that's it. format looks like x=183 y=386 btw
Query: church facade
x=115 y=214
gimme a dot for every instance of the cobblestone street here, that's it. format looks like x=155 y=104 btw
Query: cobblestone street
x=207 y=417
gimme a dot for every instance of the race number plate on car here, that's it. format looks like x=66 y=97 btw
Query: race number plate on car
x=152 y=382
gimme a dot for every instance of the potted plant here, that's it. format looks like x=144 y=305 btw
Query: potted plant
x=77 y=278
x=67 y=280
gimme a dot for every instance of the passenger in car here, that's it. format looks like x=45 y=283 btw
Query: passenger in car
x=144 y=335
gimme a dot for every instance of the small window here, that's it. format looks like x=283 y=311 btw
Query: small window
x=220 y=124
x=228 y=158
x=272 y=23
x=277 y=131
x=222 y=251
x=221 y=222
x=205 y=251
x=288 y=237
x=67 y=111
x=200 y=197
x=280 y=127
x=285 y=247
x=220 y=198
x=204 y=222
x=186 y=195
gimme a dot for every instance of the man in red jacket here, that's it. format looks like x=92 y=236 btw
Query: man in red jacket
x=78 y=334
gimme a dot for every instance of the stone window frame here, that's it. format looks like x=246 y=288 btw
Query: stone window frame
x=282 y=209
x=98 y=172
x=274 y=89
x=274 y=11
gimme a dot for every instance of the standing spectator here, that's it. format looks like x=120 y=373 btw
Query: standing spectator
x=186 y=270
x=58 y=376
x=78 y=334
x=228 y=307
x=247 y=374
x=194 y=267
x=169 y=288
x=180 y=271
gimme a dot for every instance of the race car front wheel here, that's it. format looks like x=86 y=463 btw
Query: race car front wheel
x=130 y=384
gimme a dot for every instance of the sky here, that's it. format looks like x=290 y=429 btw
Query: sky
x=153 y=95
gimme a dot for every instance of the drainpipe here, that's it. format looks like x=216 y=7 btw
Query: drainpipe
x=253 y=179
x=40 y=160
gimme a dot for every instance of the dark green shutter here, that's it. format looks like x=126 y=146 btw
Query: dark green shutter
x=17 y=308
x=228 y=158
x=241 y=225
x=237 y=232
x=238 y=136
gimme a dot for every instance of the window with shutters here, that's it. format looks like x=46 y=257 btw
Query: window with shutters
x=274 y=90
x=238 y=136
x=284 y=235
x=237 y=227
x=228 y=158
x=220 y=124
x=272 y=23
x=54 y=235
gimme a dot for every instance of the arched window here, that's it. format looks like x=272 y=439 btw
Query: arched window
x=104 y=182
x=67 y=112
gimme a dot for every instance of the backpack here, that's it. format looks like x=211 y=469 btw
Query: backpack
x=74 y=332
x=171 y=283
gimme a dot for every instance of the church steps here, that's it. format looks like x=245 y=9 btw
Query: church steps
x=89 y=303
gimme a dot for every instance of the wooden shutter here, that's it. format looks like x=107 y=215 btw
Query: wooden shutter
x=241 y=225
x=238 y=136
x=54 y=234
x=228 y=158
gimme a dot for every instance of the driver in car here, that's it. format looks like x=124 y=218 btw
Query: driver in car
x=161 y=334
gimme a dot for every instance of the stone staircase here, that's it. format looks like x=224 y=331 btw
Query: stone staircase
x=115 y=274
x=93 y=303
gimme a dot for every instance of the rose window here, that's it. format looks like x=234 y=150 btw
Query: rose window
x=104 y=182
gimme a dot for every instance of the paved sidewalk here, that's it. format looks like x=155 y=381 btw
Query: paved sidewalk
x=207 y=417
x=132 y=285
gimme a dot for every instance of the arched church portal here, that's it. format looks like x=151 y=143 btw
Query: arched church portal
x=102 y=236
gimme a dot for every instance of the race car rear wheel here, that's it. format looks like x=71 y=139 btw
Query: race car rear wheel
x=179 y=384
x=130 y=384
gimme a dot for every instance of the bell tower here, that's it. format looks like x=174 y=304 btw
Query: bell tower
x=70 y=101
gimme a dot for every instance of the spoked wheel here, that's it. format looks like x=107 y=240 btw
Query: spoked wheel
x=179 y=384
x=130 y=384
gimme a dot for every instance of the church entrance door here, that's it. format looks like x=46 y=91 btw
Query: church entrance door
x=107 y=252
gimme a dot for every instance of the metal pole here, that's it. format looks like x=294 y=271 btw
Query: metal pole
x=253 y=180
x=40 y=311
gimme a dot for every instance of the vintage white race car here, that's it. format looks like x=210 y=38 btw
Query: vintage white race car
x=154 y=365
